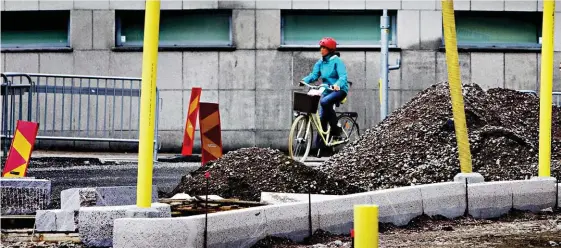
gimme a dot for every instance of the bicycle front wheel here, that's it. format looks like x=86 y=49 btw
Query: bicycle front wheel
x=300 y=140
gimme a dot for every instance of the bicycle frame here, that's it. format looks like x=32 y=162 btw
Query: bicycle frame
x=315 y=119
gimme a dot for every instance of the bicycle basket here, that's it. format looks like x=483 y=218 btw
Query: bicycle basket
x=304 y=103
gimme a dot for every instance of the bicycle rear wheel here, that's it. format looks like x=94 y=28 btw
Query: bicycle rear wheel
x=300 y=139
x=351 y=128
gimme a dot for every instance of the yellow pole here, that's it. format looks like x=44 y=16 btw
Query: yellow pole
x=148 y=103
x=455 y=84
x=366 y=226
x=546 y=89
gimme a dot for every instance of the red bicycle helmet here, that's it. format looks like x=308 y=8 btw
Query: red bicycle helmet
x=328 y=43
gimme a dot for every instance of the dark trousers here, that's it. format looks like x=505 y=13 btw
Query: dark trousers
x=327 y=113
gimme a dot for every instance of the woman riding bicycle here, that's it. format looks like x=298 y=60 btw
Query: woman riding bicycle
x=333 y=73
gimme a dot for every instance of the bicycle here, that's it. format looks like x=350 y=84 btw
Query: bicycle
x=305 y=108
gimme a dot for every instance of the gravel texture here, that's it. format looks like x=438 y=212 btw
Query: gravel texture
x=245 y=173
x=417 y=143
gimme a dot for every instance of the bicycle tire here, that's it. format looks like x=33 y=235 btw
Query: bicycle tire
x=346 y=120
x=293 y=131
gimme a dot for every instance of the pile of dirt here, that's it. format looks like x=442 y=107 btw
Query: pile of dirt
x=245 y=173
x=417 y=143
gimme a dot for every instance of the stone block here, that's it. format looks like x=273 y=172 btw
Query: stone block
x=399 y=205
x=56 y=220
x=24 y=195
x=347 y=4
x=355 y=63
x=171 y=232
x=488 y=5
x=469 y=178
x=170 y=66
x=172 y=141
x=418 y=4
x=243 y=28
x=56 y=4
x=418 y=69
x=489 y=199
x=487 y=70
x=95 y=224
x=373 y=113
x=273 y=4
x=75 y=198
x=171 y=4
x=170 y=119
x=442 y=67
x=200 y=69
x=91 y=62
x=534 y=195
x=558 y=195
x=445 y=199
x=272 y=139
x=225 y=229
x=383 y=4
x=103 y=37
x=275 y=198
x=521 y=72
x=56 y=63
x=336 y=215
x=3 y=62
x=233 y=140
x=373 y=66
x=302 y=65
x=81 y=29
x=273 y=109
x=310 y=4
x=22 y=62
x=521 y=5
x=273 y=70
x=267 y=28
x=431 y=37
x=126 y=64
x=237 y=70
x=556 y=34
x=91 y=4
x=290 y=220
x=200 y=4
x=236 y=4
x=21 y=5
x=127 y=4
x=409 y=20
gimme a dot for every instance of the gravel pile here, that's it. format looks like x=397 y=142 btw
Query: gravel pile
x=245 y=173
x=417 y=143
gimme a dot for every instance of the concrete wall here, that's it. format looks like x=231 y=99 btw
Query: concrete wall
x=254 y=83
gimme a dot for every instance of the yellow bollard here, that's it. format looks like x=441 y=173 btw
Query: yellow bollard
x=455 y=84
x=148 y=104
x=546 y=89
x=366 y=226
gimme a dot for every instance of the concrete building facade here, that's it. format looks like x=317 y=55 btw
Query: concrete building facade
x=252 y=75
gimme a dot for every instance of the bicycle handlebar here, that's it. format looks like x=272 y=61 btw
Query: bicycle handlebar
x=315 y=87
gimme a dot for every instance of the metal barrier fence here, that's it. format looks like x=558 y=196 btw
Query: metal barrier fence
x=75 y=108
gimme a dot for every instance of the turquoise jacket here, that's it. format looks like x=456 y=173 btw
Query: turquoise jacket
x=332 y=71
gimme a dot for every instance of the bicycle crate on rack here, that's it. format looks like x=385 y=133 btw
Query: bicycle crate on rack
x=304 y=103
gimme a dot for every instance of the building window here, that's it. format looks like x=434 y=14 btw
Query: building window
x=35 y=29
x=349 y=28
x=178 y=29
x=498 y=29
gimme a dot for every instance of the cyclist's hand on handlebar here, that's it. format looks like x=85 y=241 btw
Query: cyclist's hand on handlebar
x=335 y=87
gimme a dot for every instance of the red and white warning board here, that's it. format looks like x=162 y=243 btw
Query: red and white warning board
x=190 y=125
x=20 y=151
x=211 y=137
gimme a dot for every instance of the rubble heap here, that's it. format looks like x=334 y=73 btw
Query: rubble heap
x=245 y=173
x=417 y=143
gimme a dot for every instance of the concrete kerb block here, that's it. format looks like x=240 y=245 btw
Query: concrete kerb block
x=398 y=206
x=336 y=215
x=291 y=220
x=22 y=196
x=56 y=220
x=470 y=177
x=535 y=194
x=280 y=198
x=73 y=199
x=445 y=199
x=95 y=224
x=489 y=199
